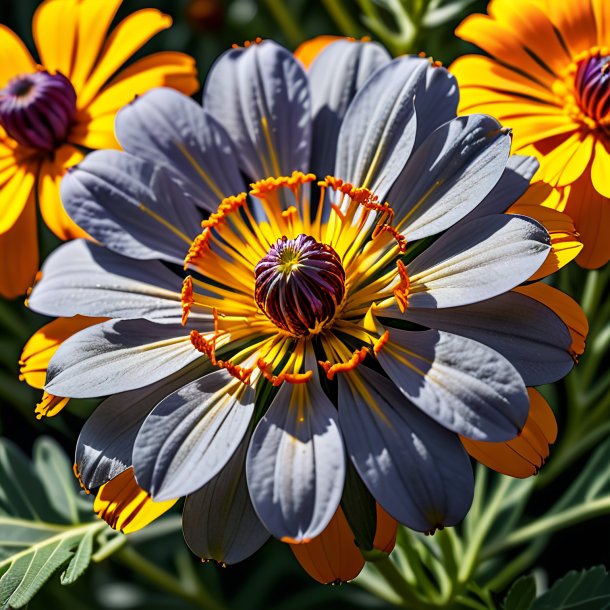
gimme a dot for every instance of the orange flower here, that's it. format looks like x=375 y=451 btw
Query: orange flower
x=53 y=111
x=549 y=79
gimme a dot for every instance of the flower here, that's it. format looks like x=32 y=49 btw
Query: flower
x=332 y=336
x=52 y=112
x=548 y=79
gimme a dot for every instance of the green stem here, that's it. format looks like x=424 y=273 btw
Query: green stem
x=549 y=524
x=340 y=15
x=517 y=566
x=388 y=570
x=286 y=21
x=421 y=578
x=130 y=558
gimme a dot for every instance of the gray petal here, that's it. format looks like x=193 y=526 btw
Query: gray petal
x=168 y=128
x=191 y=434
x=464 y=385
x=117 y=356
x=105 y=444
x=296 y=463
x=477 y=260
x=378 y=132
x=417 y=471
x=336 y=75
x=448 y=175
x=219 y=521
x=131 y=206
x=86 y=279
x=260 y=95
x=526 y=332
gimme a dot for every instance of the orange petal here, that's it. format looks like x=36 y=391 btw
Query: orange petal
x=19 y=251
x=125 y=506
x=600 y=168
x=44 y=343
x=49 y=199
x=50 y=405
x=601 y=9
x=576 y=22
x=590 y=211
x=14 y=57
x=333 y=556
x=565 y=244
x=129 y=35
x=55 y=26
x=16 y=184
x=565 y=307
x=165 y=69
x=385 y=535
x=93 y=20
x=524 y=455
x=307 y=51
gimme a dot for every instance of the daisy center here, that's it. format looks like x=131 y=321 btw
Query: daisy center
x=592 y=87
x=38 y=109
x=299 y=284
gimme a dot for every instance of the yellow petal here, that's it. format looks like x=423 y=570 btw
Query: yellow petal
x=131 y=34
x=307 y=51
x=125 y=506
x=333 y=555
x=16 y=184
x=565 y=162
x=565 y=307
x=524 y=455
x=14 y=57
x=19 y=251
x=96 y=132
x=55 y=27
x=44 y=343
x=576 y=22
x=600 y=168
x=165 y=69
x=49 y=198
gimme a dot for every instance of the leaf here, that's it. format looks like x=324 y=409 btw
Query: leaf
x=443 y=14
x=521 y=594
x=586 y=590
x=40 y=526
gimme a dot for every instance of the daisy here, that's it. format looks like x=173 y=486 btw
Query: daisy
x=308 y=293
x=54 y=109
x=548 y=79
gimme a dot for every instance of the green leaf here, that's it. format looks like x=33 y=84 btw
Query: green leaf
x=41 y=529
x=521 y=594
x=587 y=590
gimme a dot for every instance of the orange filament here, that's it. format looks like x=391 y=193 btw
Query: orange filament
x=186 y=298
x=401 y=292
x=400 y=239
x=341 y=367
x=201 y=242
x=360 y=195
x=270 y=185
x=277 y=380
x=80 y=481
x=380 y=343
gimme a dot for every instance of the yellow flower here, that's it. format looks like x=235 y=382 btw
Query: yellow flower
x=549 y=79
x=54 y=110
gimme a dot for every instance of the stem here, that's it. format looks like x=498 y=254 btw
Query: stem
x=341 y=17
x=387 y=569
x=286 y=21
x=517 y=566
x=130 y=558
x=549 y=524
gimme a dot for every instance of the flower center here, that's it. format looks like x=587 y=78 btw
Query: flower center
x=38 y=109
x=299 y=284
x=592 y=88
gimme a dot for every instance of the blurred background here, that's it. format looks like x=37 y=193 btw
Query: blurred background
x=272 y=579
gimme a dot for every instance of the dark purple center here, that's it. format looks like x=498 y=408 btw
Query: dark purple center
x=38 y=109
x=299 y=284
x=592 y=86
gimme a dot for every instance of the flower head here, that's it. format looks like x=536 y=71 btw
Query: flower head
x=548 y=78
x=341 y=321
x=53 y=110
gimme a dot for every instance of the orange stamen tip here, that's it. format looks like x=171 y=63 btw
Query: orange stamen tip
x=203 y=345
x=270 y=185
x=186 y=298
x=342 y=367
x=380 y=343
x=401 y=240
x=278 y=380
x=247 y=43
x=401 y=292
